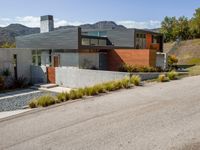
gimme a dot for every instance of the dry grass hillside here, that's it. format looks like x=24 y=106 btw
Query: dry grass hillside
x=188 y=52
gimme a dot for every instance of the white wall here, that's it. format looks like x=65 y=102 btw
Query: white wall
x=75 y=78
x=161 y=60
x=24 y=61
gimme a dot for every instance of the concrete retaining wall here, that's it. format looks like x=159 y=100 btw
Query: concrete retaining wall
x=75 y=78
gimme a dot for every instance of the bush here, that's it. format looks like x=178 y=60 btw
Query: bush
x=109 y=86
x=75 y=94
x=163 y=78
x=6 y=72
x=126 y=83
x=173 y=75
x=1 y=82
x=131 y=68
x=61 y=97
x=33 y=104
x=20 y=82
x=118 y=85
x=135 y=80
x=45 y=101
x=100 y=88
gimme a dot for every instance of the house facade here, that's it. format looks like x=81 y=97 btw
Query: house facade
x=102 y=49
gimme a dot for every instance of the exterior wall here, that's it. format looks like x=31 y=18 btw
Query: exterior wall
x=58 y=39
x=89 y=60
x=76 y=78
x=143 y=57
x=24 y=61
x=68 y=59
x=148 y=41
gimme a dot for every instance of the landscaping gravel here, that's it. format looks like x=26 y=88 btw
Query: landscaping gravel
x=20 y=101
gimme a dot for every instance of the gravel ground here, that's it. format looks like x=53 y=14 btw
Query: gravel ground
x=13 y=102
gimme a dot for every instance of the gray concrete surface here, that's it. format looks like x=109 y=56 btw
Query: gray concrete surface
x=163 y=116
x=72 y=77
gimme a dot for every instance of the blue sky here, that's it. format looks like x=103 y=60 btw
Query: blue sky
x=131 y=13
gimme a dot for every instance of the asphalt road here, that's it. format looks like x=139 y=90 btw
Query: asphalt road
x=158 y=116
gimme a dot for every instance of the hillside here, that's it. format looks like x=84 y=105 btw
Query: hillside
x=188 y=52
x=8 y=34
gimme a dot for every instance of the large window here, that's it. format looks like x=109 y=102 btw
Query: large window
x=140 y=41
x=94 y=42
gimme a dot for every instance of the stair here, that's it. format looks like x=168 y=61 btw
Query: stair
x=44 y=86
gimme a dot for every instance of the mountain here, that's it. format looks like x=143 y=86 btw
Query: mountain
x=8 y=34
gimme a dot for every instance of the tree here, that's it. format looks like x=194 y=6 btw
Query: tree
x=8 y=45
x=167 y=27
x=195 y=24
x=181 y=29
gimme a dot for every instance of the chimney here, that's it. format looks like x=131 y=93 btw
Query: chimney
x=46 y=23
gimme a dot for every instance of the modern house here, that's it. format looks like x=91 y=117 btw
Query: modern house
x=97 y=49
x=103 y=49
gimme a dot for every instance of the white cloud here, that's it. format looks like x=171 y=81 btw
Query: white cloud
x=33 y=21
x=141 y=25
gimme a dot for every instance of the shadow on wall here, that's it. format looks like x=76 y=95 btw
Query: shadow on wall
x=38 y=74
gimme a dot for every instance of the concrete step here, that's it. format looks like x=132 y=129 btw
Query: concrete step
x=44 y=86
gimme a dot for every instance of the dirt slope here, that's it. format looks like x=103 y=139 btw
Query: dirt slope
x=188 y=52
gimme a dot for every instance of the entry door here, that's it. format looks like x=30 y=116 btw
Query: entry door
x=103 y=61
x=56 y=61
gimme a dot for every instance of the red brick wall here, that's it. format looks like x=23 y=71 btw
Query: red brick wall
x=143 y=57
x=51 y=75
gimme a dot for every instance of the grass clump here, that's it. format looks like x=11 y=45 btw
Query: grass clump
x=173 y=75
x=126 y=83
x=135 y=80
x=163 y=78
x=42 y=101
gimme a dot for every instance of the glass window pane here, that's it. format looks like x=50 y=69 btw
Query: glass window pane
x=85 y=41
x=94 y=42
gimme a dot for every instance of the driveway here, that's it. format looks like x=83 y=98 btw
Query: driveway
x=163 y=116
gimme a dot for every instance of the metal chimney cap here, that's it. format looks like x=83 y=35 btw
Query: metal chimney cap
x=46 y=17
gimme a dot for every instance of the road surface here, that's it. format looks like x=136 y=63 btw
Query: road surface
x=158 y=116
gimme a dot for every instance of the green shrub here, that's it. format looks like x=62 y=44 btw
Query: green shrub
x=126 y=83
x=173 y=75
x=1 y=82
x=118 y=85
x=163 y=78
x=109 y=86
x=61 y=97
x=100 y=88
x=135 y=80
x=45 y=101
x=33 y=104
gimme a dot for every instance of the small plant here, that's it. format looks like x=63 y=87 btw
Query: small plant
x=173 y=75
x=1 y=82
x=100 y=88
x=109 y=86
x=135 y=80
x=118 y=85
x=33 y=104
x=20 y=82
x=163 y=78
x=45 y=101
x=6 y=72
x=126 y=83
x=61 y=97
